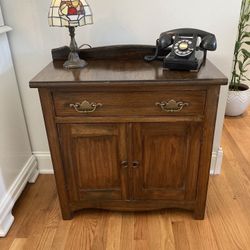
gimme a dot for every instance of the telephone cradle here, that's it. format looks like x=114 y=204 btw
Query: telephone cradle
x=183 y=49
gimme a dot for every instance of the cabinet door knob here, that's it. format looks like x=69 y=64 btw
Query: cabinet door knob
x=85 y=107
x=135 y=164
x=172 y=106
x=124 y=164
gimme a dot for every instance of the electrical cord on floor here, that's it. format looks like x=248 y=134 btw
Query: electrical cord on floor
x=85 y=44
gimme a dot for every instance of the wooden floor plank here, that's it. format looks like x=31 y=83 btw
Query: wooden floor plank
x=200 y=235
x=127 y=232
x=5 y=243
x=100 y=235
x=114 y=231
x=167 y=241
x=82 y=231
x=141 y=231
x=18 y=244
x=46 y=239
x=60 y=237
x=222 y=218
x=21 y=214
x=156 y=237
x=38 y=223
x=180 y=235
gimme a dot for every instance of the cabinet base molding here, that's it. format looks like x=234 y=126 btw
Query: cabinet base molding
x=29 y=173
x=133 y=206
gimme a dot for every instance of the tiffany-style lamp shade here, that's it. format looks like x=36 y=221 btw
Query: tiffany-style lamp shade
x=71 y=14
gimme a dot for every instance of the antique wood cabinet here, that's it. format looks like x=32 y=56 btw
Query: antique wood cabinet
x=127 y=135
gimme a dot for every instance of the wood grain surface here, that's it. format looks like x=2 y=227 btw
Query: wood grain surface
x=129 y=103
x=93 y=154
x=38 y=223
x=105 y=73
x=129 y=69
x=169 y=173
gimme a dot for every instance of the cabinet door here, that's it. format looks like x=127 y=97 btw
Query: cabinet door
x=166 y=159
x=93 y=156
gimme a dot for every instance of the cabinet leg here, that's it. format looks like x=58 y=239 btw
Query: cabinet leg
x=199 y=214
x=67 y=215
x=66 y=212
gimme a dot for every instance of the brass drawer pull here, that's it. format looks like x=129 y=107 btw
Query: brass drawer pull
x=124 y=164
x=172 y=106
x=85 y=107
x=135 y=164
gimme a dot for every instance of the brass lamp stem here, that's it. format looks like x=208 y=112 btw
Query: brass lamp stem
x=74 y=60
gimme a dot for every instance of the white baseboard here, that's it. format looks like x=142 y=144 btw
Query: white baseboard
x=44 y=162
x=6 y=224
x=216 y=162
x=29 y=173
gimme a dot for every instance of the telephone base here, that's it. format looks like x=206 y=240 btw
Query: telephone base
x=189 y=64
x=191 y=70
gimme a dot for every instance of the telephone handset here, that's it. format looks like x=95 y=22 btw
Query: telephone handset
x=181 y=49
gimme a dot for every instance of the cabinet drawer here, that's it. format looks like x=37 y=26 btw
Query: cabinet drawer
x=129 y=103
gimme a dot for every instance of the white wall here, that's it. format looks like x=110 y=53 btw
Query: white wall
x=115 y=22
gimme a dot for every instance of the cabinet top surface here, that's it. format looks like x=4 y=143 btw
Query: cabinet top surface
x=108 y=72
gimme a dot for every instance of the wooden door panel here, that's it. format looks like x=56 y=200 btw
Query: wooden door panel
x=168 y=160
x=92 y=154
x=163 y=166
x=95 y=162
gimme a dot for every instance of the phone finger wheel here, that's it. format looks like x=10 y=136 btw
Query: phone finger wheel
x=183 y=48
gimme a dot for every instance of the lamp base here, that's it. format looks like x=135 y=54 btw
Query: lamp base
x=74 y=61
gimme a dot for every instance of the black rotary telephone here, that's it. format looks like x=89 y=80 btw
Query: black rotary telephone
x=183 y=49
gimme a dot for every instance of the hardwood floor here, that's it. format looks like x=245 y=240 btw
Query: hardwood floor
x=38 y=223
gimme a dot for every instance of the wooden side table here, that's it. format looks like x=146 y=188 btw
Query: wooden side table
x=127 y=135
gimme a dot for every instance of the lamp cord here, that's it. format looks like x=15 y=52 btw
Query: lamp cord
x=85 y=44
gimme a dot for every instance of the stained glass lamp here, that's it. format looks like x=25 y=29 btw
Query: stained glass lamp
x=71 y=14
